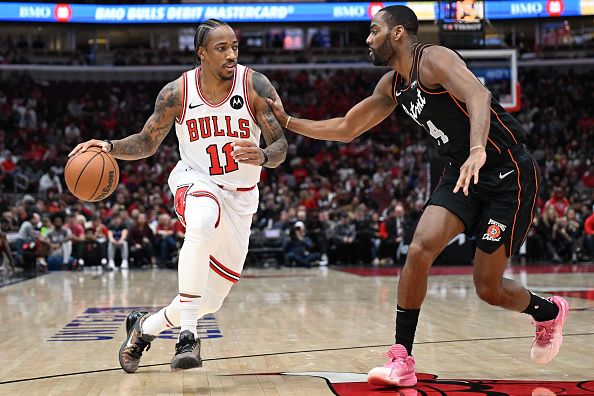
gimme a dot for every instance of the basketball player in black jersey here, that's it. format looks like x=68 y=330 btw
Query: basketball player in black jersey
x=489 y=188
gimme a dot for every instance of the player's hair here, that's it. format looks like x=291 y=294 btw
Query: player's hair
x=401 y=15
x=202 y=34
x=204 y=30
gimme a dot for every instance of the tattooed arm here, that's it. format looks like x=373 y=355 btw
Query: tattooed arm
x=145 y=143
x=260 y=88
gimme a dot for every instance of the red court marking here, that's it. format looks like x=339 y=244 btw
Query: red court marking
x=467 y=270
x=355 y=384
x=430 y=385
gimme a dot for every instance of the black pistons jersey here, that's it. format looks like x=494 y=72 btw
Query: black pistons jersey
x=446 y=119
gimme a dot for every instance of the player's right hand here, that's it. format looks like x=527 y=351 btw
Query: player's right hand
x=277 y=108
x=90 y=143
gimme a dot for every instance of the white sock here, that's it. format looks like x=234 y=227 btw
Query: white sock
x=172 y=312
x=188 y=313
x=211 y=304
x=156 y=323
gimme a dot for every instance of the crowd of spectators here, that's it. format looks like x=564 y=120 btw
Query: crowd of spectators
x=328 y=203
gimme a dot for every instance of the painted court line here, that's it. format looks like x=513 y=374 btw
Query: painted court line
x=283 y=353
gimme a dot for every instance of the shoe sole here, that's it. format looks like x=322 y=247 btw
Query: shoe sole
x=181 y=362
x=401 y=382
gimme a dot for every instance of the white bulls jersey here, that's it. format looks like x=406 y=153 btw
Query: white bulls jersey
x=206 y=131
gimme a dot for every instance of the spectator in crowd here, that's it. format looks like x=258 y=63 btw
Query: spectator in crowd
x=141 y=241
x=28 y=233
x=101 y=230
x=558 y=201
x=298 y=249
x=117 y=240
x=50 y=181
x=393 y=231
x=343 y=237
x=364 y=229
x=589 y=231
x=165 y=239
x=318 y=225
x=59 y=239
x=549 y=219
x=535 y=241
x=76 y=229
x=90 y=251
x=574 y=229
x=6 y=258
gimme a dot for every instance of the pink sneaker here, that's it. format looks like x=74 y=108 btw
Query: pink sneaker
x=398 y=371
x=549 y=334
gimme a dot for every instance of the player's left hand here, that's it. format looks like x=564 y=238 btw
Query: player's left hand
x=470 y=170
x=247 y=152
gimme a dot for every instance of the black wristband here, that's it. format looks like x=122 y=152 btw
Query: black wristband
x=110 y=145
x=265 y=157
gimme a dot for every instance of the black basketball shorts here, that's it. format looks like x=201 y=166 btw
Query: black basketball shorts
x=499 y=208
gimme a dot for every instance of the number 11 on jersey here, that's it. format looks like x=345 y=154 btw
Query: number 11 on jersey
x=215 y=163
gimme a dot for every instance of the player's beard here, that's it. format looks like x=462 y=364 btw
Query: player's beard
x=225 y=77
x=383 y=54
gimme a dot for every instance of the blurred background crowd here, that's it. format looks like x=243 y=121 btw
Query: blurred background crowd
x=329 y=203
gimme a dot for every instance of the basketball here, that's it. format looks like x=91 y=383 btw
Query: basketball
x=92 y=175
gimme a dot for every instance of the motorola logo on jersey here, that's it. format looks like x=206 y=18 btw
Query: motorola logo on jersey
x=236 y=102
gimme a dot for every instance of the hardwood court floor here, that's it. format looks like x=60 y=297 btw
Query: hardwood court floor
x=61 y=333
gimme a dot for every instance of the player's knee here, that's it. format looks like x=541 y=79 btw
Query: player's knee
x=199 y=230
x=489 y=294
x=201 y=219
x=421 y=250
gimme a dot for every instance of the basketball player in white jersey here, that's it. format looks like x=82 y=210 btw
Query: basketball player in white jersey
x=219 y=110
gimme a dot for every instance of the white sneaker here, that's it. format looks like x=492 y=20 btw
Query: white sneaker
x=111 y=265
x=124 y=264
x=324 y=260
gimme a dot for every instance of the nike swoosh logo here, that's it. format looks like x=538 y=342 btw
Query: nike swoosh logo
x=194 y=106
x=505 y=174
x=398 y=93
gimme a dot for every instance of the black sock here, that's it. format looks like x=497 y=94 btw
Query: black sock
x=541 y=309
x=406 y=325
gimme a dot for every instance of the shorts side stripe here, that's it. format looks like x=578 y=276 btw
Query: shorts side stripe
x=533 y=201
x=511 y=241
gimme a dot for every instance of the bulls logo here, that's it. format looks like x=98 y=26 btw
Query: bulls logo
x=236 y=102
x=179 y=202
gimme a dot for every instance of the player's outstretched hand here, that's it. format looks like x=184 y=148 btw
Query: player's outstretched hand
x=278 y=109
x=90 y=143
x=247 y=152
x=470 y=170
